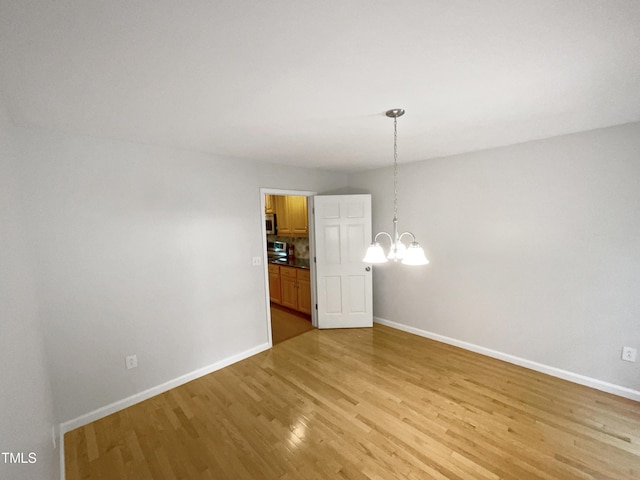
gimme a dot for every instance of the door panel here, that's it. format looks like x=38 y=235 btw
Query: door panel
x=333 y=295
x=332 y=244
x=355 y=240
x=355 y=210
x=357 y=293
x=343 y=233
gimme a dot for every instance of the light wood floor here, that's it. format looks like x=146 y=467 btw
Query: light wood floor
x=365 y=404
x=286 y=324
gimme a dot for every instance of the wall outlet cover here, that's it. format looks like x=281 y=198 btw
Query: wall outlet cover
x=629 y=354
x=131 y=361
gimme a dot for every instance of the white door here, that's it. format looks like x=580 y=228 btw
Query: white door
x=342 y=234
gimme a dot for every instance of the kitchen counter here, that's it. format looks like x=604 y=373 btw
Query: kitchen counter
x=293 y=262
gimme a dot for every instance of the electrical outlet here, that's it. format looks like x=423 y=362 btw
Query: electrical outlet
x=131 y=361
x=629 y=354
x=256 y=261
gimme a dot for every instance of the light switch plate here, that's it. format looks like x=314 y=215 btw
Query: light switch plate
x=256 y=261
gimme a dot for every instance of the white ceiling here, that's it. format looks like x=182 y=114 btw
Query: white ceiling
x=307 y=82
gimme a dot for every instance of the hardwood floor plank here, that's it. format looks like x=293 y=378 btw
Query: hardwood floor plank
x=365 y=404
x=286 y=323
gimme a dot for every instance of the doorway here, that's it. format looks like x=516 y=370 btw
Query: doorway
x=289 y=268
x=287 y=323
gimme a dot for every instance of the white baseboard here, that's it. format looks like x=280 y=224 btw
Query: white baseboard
x=538 y=367
x=102 y=412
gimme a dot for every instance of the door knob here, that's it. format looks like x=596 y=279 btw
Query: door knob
x=368 y=269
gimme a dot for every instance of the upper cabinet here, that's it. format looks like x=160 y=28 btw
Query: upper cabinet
x=297 y=216
x=292 y=217
x=269 y=206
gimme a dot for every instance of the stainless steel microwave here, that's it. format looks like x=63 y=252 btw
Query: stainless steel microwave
x=270 y=223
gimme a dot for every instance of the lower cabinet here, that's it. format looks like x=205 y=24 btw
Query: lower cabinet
x=275 y=294
x=290 y=287
x=304 y=291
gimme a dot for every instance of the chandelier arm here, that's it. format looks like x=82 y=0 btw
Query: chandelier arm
x=383 y=233
x=413 y=237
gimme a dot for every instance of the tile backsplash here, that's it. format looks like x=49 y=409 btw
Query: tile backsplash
x=300 y=244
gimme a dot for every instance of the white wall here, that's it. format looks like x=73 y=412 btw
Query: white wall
x=139 y=249
x=534 y=249
x=26 y=413
x=145 y=250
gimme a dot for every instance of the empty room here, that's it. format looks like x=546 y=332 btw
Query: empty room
x=319 y=240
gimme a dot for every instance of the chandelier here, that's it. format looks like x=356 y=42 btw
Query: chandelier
x=398 y=251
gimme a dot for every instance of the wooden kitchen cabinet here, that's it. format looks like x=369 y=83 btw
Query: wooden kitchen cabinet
x=269 y=206
x=304 y=291
x=275 y=289
x=291 y=215
x=289 y=287
x=295 y=289
x=297 y=216
x=280 y=209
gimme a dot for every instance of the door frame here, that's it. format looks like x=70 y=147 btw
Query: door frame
x=312 y=251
